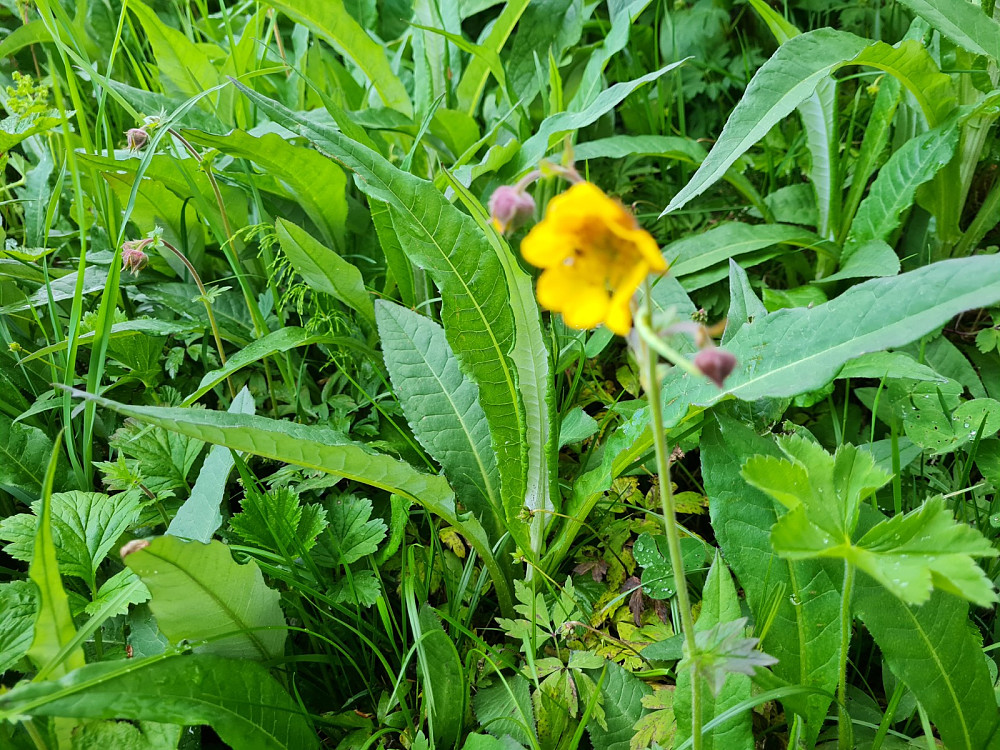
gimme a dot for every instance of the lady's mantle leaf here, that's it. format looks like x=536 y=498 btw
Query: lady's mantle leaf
x=909 y=554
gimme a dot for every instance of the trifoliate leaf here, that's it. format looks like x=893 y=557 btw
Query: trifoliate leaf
x=278 y=522
x=351 y=533
x=85 y=526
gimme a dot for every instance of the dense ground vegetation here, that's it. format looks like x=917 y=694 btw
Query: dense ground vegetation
x=291 y=456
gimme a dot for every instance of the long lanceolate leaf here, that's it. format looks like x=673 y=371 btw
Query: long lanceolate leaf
x=450 y=245
x=793 y=351
x=792 y=75
x=238 y=698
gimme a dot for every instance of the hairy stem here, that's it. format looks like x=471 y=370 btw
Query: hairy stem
x=649 y=362
x=845 y=730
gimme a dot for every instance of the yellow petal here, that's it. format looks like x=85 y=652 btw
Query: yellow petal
x=586 y=308
x=619 y=317
x=546 y=246
x=555 y=286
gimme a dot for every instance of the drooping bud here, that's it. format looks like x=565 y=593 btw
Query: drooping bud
x=136 y=138
x=134 y=546
x=133 y=257
x=715 y=363
x=510 y=207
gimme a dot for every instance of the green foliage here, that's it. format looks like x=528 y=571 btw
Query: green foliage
x=909 y=554
x=238 y=699
x=424 y=453
x=199 y=593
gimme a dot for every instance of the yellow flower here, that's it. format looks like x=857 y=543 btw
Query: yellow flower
x=595 y=256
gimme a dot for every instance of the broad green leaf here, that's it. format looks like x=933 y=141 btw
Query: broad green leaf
x=937 y=653
x=792 y=74
x=798 y=599
x=331 y=20
x=24 y=452
x=452 y=247
x=33 y=32
x=652 y=554
x=719 y=244
x=880 y=365
x=719 y=604
x=54 y=627
x=534 y=385
x=324 y=270
x=547 y=28
x=872 y=147
x=315 y=182
x=962 y=22
x=18 y=608
x=85 y=526
x=360 y=589
x=576 y=426
x=657 y=723
x=351 y=533
x=239 y=699
x=623 y=693
x=441 y=406
x=200 y=593
x=199 y=517
x=914 y=163
x=795 y=351
x=278 y=522
x=812 y=484
x=444 y=680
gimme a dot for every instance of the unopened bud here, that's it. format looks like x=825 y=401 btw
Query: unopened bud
x=134 y=546
x=136 y=138
x=510 y=207
x=133 y=258
x=715 y=363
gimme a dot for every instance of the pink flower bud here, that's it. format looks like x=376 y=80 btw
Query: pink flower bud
x=716 y=364
x=133 y=258
x=510 y=207
x=136 y=138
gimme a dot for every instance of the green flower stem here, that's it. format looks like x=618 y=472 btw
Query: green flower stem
x=845 y=730
x=208 y=307
x=649 y=362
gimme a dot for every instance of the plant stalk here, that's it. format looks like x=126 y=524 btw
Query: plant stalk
x=652 y=386
x=845 y=730
x=208 y=308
